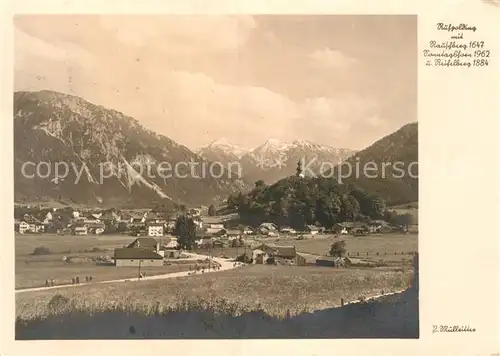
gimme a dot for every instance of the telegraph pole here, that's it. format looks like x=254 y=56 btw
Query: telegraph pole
x=209 y=256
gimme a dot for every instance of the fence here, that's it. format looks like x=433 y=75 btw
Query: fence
x=395 y=253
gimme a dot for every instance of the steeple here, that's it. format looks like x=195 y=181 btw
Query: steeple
x=299 y=170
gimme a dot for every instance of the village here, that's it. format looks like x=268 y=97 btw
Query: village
x=152 y=240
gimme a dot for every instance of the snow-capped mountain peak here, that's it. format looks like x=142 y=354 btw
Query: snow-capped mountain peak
x=272 y=145
x=225 y=146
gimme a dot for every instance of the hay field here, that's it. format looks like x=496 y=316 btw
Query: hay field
x=33 y=270
x=390 y=243
x=277 y=290
x=26 y=243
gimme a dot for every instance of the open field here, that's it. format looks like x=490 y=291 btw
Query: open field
x=390 y=243
x=275 y=289
x=34 y=274
x=33 y=270
x=26 y=243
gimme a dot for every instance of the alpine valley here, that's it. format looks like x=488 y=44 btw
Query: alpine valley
x=51 y=127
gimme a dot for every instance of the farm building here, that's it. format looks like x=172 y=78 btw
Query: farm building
x=325 y=261
x=267 y=229
x=155 y=218
x=215 y=226
x=145 y=243
x=286 y=252
x=170 y=225
x=171 y=245
x=247 y=230
x=260 y=257
x=80 y=230
x=155 y=229
x=344 y=228
x=198 y=222
x=219 y=243
x=24 y=227
x=204 y=242
x=305 y=259
x=288 y=230
x=95 y=228
x=137 y=218
x=311 y=229
x=360 y=231
x=231 y=233
x=130 y=257
x=30 y=224
x=213 y=231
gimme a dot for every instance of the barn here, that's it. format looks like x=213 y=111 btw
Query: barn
x=130 y=257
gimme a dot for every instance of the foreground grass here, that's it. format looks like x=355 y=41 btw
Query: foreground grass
x=278 y=291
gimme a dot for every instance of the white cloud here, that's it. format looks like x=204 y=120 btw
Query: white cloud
x=182 y=34
x=375 y=121
x=327 y=57
x=30 y=46
x=129 y=68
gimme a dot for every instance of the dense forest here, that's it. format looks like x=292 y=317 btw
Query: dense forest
x=297 y=201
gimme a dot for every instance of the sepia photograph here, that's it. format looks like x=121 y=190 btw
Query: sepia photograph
x=216 y=177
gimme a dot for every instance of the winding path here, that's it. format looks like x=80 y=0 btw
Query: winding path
x=225 y=264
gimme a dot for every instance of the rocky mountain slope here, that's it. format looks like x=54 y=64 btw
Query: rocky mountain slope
x=88 y=154
x=388 y=168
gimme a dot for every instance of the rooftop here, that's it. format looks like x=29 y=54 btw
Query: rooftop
x=136 y=253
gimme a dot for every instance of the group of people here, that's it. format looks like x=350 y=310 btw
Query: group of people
x=50 y=283
x=76 y=280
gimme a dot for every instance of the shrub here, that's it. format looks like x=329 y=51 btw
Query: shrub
x=337 y=249
x=58 y=303
x=41 y=250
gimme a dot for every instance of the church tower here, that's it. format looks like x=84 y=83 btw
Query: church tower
x=299 y=172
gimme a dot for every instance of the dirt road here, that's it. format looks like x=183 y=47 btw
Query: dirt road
x=225 y=264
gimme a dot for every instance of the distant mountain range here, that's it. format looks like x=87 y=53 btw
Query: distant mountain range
x=96 y=142
x=222 y=150
x=274 y=159
x=137 y=166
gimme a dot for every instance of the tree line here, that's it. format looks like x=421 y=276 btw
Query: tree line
x=297 y=202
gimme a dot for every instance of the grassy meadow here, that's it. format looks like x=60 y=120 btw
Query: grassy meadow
x=373 y=243
x=33 y=270
x=277 y=290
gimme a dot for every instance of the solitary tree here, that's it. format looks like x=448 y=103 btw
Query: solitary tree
x=260 y=184
x=338 y=249
x=211 y=210
x=185 y=231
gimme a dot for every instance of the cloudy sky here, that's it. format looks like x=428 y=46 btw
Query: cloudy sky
x=342 y=81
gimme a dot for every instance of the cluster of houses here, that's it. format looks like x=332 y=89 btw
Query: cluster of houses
x=146 y=223
x=287 y=255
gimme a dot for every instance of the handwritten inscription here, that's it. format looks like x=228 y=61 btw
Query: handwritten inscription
x=455 y=50
x=452 y=329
